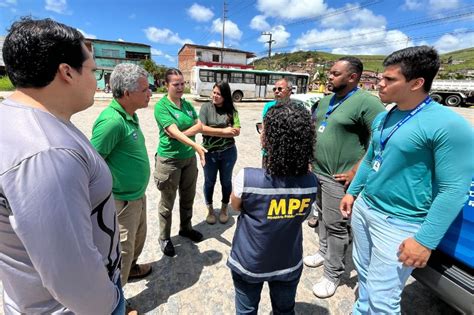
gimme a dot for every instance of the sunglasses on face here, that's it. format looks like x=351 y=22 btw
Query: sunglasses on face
x=279 y=89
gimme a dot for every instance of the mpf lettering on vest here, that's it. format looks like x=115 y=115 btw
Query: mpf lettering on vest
x=279 y=209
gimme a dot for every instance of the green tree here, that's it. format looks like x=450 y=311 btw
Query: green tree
x=157 y=71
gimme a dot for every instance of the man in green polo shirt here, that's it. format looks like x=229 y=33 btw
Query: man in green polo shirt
x=343 y=124
x=117 y=137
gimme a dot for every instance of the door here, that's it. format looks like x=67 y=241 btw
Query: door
x=260 y=85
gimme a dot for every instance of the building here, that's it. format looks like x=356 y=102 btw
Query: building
x=191 y=55
x=2 y=63
x=108 y=54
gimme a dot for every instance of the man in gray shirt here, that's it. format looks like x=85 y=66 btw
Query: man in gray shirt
x=59 y=241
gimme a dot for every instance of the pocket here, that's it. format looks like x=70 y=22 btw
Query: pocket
x=162 y=173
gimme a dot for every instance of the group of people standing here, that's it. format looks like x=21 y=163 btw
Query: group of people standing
x=73 y=211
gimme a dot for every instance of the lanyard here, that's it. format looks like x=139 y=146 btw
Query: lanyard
x=417 y=109
x=333 y=107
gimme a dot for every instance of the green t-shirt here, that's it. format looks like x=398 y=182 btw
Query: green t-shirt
x=346 y=136
x=216 y=117
x=167 y=114
x=119 y=140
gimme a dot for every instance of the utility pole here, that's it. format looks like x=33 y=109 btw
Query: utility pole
x=270 y=41
x=224 y=11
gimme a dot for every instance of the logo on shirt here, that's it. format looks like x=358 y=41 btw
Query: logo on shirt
x=176 y=115
x=135 y=135
x=190 y=113
x=280 y=209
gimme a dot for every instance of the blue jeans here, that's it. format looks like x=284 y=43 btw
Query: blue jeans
x=247 y=295
x=222 y=162
x=382 y=277
x=120 y=308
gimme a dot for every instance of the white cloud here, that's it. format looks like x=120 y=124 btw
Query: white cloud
x=170 y=58
x=86 y=35
x=232 y=31
x=456 y=41
x=353 y=16
x=440 y=5
x=156 y=52
x=58 y=6
x=291 y=9
x=412 y=5
x=200 y=13
x=259 y=23
x=279 y=35
x=215 y=43
x=7 y=3
x=120 y=40
x=164 y=36
x=366 y=41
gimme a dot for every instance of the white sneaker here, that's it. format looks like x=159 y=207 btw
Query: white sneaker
x=313 y=261
x=325 y=288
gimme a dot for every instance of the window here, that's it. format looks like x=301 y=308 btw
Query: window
x=136 y=55
x=215 y=58
x=206 y=76
x=274 y=77
x=114 y=53
x=199 y=53
x=222 y=76
x=249 y=78
x=236 y=77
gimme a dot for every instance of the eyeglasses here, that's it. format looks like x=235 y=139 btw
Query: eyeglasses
x=279 y=89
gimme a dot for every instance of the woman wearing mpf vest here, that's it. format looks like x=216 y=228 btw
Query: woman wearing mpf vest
x=274 y=201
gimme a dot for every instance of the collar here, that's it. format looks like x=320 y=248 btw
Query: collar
x=116 y=105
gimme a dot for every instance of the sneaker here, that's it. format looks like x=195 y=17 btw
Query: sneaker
x=314 y=261
x=313 y=222
x=193 y=235
x=325 y=288
x=139 y=271
x=167 y=247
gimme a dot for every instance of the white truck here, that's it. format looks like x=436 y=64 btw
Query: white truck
x=453 y=92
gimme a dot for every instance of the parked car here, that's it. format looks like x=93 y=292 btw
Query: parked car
x=450 y=269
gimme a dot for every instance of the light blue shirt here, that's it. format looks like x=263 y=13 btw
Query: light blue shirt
x=426 y=170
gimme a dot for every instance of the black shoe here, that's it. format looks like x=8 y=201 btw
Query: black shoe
x=313 y=222
x=193 y=235
x=167 y=247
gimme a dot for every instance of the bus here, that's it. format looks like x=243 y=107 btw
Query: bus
x=244 y=83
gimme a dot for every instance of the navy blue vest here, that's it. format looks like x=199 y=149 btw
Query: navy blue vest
x=268 y=241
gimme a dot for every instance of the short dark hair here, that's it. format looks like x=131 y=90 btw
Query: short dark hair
x=355 y=65
x=34 y=49
x=228 y=105
x=288 y=139
x=170 y=72
x=416 y=62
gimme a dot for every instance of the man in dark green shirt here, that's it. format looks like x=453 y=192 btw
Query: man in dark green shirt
x=343 y=122
x=118 y=138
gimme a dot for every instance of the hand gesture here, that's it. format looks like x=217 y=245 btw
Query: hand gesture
x=345 y=177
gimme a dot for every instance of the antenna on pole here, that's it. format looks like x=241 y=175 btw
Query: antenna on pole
x=224 y=11
x=270 y=41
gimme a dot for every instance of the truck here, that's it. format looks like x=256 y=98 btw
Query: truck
x=453 y=92
x=450 y=269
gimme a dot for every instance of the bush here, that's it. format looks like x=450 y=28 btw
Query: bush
x=5 y=84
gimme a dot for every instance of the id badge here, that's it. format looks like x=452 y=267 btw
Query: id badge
x=377 y=162
x=322 y=127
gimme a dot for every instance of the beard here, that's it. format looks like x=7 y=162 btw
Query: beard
x=338 y=88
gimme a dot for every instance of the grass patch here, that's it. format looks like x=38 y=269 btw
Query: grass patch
x=5 y=84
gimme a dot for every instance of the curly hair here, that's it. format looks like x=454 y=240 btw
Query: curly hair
x=288 y=139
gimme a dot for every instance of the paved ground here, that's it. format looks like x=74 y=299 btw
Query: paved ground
x=197 y=280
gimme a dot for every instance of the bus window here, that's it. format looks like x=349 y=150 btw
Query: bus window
x=236 y=77
x=206 y=76
x=249 y=78
x=273 y=78
x=222 y=76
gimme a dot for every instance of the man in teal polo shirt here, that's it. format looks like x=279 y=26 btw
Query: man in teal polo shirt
x=118 y=138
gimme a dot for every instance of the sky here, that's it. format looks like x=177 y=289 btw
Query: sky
x=343 y=27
